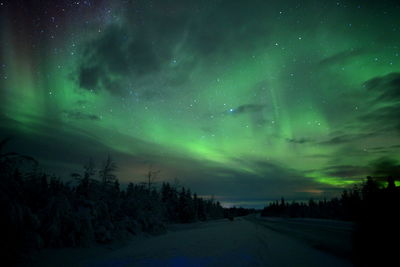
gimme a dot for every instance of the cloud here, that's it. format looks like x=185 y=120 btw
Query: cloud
x=299 y=140
x=342 y=57
x=385 y=149
x=247 y=108
x=386 y=118
x=344 y=138
x=384 y=103
x=271 y=182
x=346 y=171
x=78 y=115
x=380 y=118
x=90 y=77
x=159 y=46
x=110 y=59
x=386 y=87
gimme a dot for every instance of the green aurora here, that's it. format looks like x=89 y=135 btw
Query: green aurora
x=243 y=100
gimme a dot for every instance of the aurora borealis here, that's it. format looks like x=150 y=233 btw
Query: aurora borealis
x=244 y=100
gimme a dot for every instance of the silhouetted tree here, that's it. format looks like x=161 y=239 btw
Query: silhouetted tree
x=106 y=173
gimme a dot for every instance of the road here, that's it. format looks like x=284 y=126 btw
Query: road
x=334 y=237
x=251 y=241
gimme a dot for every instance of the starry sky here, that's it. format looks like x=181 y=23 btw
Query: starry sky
x=246 y=101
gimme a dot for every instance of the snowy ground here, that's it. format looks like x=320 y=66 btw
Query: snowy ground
x=249 y=241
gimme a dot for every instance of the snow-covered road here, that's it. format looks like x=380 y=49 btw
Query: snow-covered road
x=242 y=242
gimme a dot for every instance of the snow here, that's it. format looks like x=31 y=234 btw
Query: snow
x=240 y=242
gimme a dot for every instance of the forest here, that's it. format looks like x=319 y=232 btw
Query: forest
x=348 y=207
x=373 y=206
x=41 y=211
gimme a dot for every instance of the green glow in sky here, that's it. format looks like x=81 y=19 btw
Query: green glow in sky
x=269 y=98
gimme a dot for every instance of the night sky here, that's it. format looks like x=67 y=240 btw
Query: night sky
x=247 y=101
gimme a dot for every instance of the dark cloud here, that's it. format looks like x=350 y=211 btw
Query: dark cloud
x=141 y=46
x=318 y=156
x=346 y=171
x=62 y=150
x=342 y=57
x=299 y=140
x=111 y=60
x=145 y=44
x=386 y=87
x=344 y=138
x=341 y=139
x=387 y=167
x=109 y=51
x=271 y=182
x=385 y=149
x=247 y=108
x=383 y=114
x=385 y=118
x=78 y=115
x=59 y=149
x=90 y=77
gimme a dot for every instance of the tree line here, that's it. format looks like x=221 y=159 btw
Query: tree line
x=39 y=210
x=373 y=207
x=349 y=206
